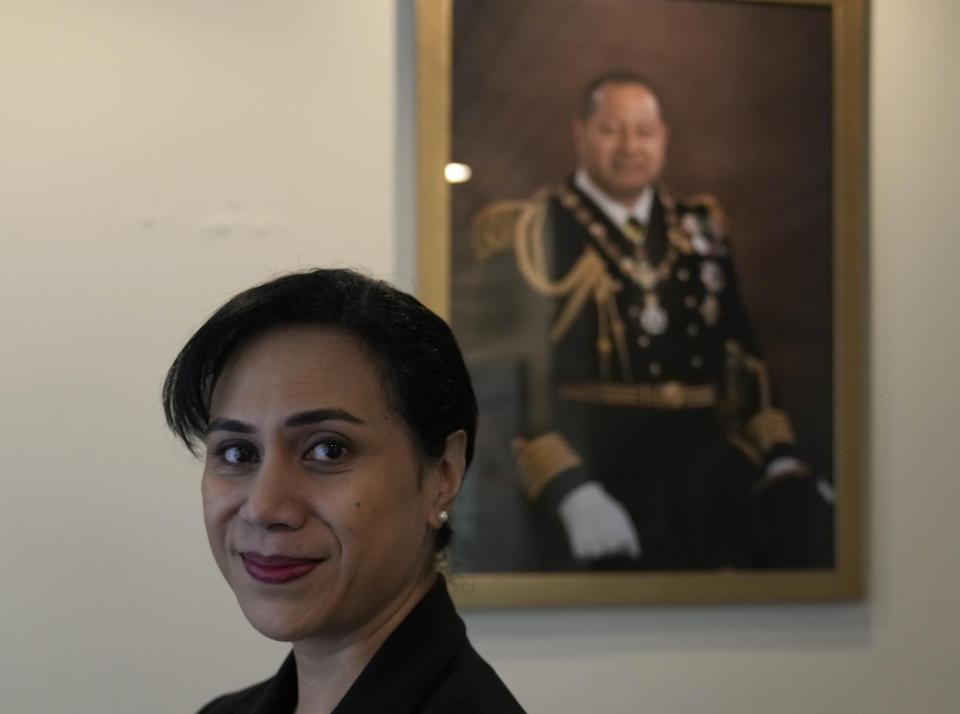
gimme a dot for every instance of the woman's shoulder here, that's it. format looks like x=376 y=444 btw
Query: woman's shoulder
x=236 y=702
x=276 y=695
x=469 y=686
x=428 y=666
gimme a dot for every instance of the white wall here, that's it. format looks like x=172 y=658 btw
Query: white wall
x=156 y=156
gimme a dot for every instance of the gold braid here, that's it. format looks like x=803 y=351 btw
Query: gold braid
x=588 y=278
x=769 y=426
x=523 y=223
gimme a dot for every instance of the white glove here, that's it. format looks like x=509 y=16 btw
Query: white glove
x=783 y=465
x=597 y=524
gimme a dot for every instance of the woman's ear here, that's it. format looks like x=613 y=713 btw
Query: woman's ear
x=446 y=476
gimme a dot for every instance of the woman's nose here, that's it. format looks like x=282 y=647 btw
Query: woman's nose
x=275 y=499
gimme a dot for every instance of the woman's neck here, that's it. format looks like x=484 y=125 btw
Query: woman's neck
x=328 y=666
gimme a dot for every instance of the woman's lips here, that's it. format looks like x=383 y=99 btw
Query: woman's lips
x=277 y=569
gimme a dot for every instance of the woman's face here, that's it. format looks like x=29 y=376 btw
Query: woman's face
x=319 y=513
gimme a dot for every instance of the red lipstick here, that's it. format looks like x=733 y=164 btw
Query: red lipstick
x=276 y=569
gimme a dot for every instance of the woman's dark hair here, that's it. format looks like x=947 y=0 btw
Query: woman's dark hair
x=423 y=373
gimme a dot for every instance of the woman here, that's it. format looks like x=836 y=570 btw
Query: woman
x=338 y=420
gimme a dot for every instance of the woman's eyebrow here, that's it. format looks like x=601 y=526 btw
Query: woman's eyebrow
x=229 y=425
x=317 y=415
x=313 y=416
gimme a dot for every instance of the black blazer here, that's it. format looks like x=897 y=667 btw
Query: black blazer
x=425 y=666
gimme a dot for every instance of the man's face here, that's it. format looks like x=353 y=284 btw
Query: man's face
x=622 y=144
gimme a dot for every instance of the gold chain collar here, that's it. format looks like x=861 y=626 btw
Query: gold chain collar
x=637 y=267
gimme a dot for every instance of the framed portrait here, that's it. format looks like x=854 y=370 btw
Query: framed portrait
x=645 y=223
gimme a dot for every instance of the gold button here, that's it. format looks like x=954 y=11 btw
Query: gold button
x=654 y=368
x=697 y=361
x=693 y=330
x=643 y=341
x=683 y=274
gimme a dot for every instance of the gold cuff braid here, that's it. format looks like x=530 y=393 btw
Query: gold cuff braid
x=542 y=459
x=769 y=428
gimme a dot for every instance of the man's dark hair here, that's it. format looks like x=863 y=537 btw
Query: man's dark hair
x=424 y=377
x=588 y=100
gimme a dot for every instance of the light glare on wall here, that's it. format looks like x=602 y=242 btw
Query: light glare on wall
x=457 y=173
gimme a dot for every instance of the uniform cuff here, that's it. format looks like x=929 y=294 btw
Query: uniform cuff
x=543 y=460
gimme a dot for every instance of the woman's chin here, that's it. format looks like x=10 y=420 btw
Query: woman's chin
x=279 y=623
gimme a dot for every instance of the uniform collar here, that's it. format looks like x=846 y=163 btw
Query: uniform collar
x=616 y=212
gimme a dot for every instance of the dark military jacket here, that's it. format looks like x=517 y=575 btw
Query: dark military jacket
x=654 y=324
x=657 y=387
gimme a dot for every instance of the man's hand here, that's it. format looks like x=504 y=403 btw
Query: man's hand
x=597 y=525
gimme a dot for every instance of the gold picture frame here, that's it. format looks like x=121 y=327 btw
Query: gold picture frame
x=845 y=24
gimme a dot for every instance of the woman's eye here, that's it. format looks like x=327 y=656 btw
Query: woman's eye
x=327 y=451
x=238 y=454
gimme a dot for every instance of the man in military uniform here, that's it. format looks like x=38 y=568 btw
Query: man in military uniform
x=667 y=447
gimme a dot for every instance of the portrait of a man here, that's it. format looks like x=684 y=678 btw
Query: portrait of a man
x=635 y=417
x=668 y=448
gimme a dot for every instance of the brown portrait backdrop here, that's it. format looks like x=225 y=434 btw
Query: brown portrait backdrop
x=746 y=90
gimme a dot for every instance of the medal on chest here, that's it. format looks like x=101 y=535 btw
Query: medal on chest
x=652 y=318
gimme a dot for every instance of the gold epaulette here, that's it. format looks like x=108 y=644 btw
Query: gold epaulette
x=715 y=212
x=497 y=226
